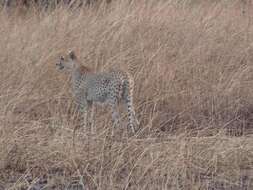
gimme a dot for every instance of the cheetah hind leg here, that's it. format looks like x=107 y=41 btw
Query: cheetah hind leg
x=116 y=120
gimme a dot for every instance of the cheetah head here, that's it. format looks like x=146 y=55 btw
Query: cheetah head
x=67 y=63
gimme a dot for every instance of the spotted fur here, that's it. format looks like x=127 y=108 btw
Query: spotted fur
x=110 y=88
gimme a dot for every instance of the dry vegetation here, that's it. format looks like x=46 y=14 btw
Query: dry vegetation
x=193 y=67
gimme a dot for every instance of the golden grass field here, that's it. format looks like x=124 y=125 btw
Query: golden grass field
x=193 y=70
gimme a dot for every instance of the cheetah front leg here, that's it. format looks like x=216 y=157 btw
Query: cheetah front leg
x=82 y=108
x=88 y=114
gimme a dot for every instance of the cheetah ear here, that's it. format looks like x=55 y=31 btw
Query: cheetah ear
x=72 y=55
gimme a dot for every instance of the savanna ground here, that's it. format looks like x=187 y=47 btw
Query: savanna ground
x=193 y=68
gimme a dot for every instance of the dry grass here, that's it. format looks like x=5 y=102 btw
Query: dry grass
x=193 y=95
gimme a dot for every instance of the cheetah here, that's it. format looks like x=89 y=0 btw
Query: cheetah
x=111 y=88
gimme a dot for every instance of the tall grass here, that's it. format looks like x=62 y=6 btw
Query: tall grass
x=193 y=71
